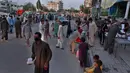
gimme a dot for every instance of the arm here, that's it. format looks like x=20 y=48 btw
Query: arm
x=33 y=52
x=49 y=53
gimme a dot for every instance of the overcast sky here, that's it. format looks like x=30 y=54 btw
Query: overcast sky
x=67 y=3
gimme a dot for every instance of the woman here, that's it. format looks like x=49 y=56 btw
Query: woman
x=75 y=38
x=83 y=53
x=27 y=32
x=41 y=29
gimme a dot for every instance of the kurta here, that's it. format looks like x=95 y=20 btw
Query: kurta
x=109 y=43
x=56 y=26
x=60 y=37
x=42 y=30
x=92 y=31
x=83 y=55
x=27 y=30
x=42 y=54
x=18 y=28
x=4 y=29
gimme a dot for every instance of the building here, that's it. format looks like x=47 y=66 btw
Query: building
x=55 y=5
x=88 y=3
x=8 y=6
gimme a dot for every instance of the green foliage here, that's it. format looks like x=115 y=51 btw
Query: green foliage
x=86 y=10
x=29 y=6
x=38 y=4
x=82 y=8
x=52 y=10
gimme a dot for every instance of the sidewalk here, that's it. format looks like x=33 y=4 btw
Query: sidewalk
x=110 y=63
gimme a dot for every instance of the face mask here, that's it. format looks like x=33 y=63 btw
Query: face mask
x=36 y=39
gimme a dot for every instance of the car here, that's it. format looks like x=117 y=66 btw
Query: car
x=63 y=20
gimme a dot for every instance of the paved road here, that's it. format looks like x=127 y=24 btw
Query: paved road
x=14 y=53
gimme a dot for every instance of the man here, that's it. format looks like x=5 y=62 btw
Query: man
x=102 y=30
x=18 y=28
x=4 y=29
x=41 y=53
x=46 y=29
x=126 y=24
x=109 y=44
x=69 y=31
x=60 y=36
x=92 y=31
x=11 y=23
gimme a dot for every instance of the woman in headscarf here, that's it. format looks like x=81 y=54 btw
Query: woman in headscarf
x=75 y=38
x=83 y=53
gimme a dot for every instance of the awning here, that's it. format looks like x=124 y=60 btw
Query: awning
x=108 y=3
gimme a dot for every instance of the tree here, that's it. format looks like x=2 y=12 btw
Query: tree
x=86 y=10
x=52 y=10
x=29 y=6
x=39 y=6
x=82 y=8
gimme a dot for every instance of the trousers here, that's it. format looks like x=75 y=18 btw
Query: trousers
x=4 y=35
x=60 y=43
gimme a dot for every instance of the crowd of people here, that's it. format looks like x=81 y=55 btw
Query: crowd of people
x=106 y=29
x=83 y=34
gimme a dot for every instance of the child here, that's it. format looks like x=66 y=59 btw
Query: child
x=97 y=66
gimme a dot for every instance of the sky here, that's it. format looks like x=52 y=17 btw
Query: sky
x=67 y=3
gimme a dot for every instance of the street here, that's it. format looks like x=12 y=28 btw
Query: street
x=14 y=55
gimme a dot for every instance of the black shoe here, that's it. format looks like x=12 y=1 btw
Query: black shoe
x=57 y=47
x=62 y=48
x=110 y=53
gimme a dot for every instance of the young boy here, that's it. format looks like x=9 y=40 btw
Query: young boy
x=97 y=66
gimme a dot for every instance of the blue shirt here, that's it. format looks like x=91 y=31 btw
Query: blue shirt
x=11 y=21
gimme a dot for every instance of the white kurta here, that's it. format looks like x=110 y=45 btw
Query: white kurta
x=60 y=35
x=92 y=31
x=41 y=30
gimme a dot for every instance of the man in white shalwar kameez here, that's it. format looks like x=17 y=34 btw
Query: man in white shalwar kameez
x=41 y=29
x=92 y=31
x=60 y=36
